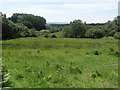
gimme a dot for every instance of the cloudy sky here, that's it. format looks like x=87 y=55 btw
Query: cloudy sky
x=64 y=10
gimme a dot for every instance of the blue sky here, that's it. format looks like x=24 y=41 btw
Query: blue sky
x=95 y=11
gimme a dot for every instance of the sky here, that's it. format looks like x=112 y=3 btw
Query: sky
x=91 y=11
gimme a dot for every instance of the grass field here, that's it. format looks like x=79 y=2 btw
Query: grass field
x=61 y=62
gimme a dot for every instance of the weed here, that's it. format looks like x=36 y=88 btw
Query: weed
x=28 y=69
x=96 y=74
x=47 y=63
x=58 y=67
x=111 y=49
x=117 y=53
x=38 y=51
x=5 y=77
x=75 y=69
x=97 y=53
x=49 y=78
x=40 y=74
x=19 y=76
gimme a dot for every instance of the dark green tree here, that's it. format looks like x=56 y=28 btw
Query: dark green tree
x=30 y=21
x=94 y=33
x=76 y=29
x=9 y=29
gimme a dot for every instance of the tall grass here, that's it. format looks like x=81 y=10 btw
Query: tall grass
x=61 y=62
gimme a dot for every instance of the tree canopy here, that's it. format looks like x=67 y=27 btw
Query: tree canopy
x=29 y=21
x=76 y=29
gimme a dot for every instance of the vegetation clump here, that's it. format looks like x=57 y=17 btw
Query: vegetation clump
x=53 y=36
x=97 y=52
x=96 y=74
x=5 y=77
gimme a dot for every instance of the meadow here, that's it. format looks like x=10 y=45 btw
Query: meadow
x=61 y=62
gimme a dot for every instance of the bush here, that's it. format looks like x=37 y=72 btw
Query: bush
x=76 y=29
x=94 y=33
x=9 y=29
x=53 y=36
x=117 y=35
x=46 y=36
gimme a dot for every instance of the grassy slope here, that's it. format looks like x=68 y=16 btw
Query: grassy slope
x=61 y=62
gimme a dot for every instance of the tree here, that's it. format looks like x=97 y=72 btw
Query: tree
x=30 y=21
x=67 y=32
x=98 y=33
x=9 y=29
x=111 y=27
x=94 y=33
x=118 y=23
x=76 y=29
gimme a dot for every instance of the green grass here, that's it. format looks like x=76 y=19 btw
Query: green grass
x=61 y=62
x=57 y=34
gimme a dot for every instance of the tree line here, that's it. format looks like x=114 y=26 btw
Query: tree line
x=79 y=29
x=21 y=25
x=28 y=25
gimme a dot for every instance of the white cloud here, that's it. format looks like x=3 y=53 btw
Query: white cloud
x=64 y=12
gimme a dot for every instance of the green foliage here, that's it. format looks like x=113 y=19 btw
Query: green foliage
x=9 y=29
x=94 y=33
x=5 y=77
x=98 y=33
x=43 y=33
x=111 y=27
x=67 y=31
x=19 y=76
x=97 y=53
x=114 y=52
x=117 y=35
x=46 y=35
x=75 y=29
x=30 y=21
x=75 y=69
x=96 y=74
x=118 y=23
x=25 y=25
x=53 y=36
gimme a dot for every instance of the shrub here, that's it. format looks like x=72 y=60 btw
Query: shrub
x=53 y=36
x=46 y=36
x=94 y=33
x=117 y=35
